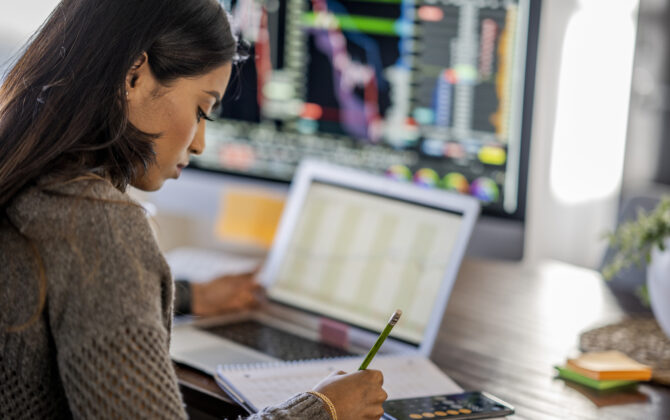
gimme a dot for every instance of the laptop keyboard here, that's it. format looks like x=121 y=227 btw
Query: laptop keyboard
x=275 y=342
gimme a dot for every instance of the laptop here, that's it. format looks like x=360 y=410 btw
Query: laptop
x=350 y=249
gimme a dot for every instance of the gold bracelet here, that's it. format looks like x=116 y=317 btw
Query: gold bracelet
x=327 y=402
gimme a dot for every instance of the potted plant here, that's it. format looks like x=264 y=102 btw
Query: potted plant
x=646 y=239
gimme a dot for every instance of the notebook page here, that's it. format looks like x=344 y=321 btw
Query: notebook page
x=270 y=384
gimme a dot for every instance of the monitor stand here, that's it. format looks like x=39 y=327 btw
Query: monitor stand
x=497 y=239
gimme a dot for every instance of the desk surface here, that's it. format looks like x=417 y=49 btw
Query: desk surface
x=506 y=325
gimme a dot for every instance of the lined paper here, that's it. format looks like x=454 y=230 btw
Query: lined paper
x=266 y=384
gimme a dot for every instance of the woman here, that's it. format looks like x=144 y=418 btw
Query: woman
x=110 y=94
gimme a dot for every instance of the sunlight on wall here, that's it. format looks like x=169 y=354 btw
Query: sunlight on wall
x=594 y=91
x=18 y=21
x=22 y=18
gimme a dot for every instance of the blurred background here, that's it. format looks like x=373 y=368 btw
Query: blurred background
x=599 y=129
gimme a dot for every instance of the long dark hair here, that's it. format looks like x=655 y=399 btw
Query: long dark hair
x=62 y=106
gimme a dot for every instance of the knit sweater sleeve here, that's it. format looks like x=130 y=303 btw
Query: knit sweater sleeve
x=109 y=308
x=301 y=406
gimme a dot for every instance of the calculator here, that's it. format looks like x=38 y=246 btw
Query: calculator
x=466 y=405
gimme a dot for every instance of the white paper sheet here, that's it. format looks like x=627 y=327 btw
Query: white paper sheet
x=263 y=385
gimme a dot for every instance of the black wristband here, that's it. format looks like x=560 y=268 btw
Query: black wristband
x=182 y=297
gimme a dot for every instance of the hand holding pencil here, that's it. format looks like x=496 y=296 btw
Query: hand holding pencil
x=359 y=395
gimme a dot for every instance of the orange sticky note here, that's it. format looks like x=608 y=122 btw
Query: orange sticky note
x=249 y=216
x=609 y=365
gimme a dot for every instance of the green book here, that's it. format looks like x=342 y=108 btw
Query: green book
x=566 y=373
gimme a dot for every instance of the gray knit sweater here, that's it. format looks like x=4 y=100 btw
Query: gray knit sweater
x=99 y=348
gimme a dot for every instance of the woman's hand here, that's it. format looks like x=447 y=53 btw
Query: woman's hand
x=225 y=294
x=356 y=396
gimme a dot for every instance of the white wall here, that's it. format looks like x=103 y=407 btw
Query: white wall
x=581 y=110
x=649 y=104
x=18 y=20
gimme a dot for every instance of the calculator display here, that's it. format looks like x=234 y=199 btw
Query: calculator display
x=467 y=405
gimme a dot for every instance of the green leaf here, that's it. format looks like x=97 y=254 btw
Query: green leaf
x=642 y=292
x=634 y=240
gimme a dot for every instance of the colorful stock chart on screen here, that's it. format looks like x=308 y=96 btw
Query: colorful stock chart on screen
x=428 y=91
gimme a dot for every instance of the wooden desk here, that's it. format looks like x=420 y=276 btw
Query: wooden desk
x=506 y=325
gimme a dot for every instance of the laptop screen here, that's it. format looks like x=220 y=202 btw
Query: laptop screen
x=358 y=256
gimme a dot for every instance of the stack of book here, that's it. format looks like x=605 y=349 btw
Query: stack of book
x=604 y=370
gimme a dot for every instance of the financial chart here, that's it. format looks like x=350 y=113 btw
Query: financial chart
x=424 y=91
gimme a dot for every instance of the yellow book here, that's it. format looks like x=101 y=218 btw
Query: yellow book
x=609 y=365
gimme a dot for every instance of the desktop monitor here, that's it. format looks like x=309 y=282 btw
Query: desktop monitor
x=432 y=92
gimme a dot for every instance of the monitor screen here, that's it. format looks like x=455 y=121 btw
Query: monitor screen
x=357 y=257
x=434 y=92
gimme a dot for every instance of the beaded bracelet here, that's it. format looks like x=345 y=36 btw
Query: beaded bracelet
x=326 y=400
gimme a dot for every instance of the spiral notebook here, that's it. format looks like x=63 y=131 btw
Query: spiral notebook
x=259 y=385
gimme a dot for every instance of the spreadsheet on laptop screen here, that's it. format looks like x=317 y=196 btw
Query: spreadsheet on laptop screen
x=356 y=257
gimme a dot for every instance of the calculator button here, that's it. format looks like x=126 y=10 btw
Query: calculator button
x=415 y=416
x=452 y=412
x=428 y=415
x=440 y=413
x=465 y=411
